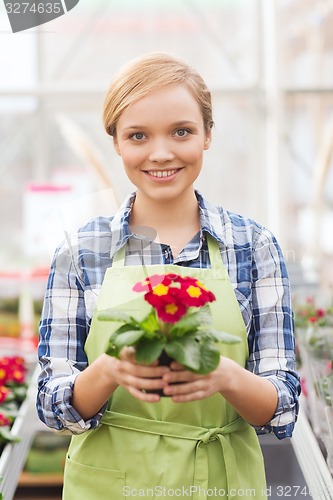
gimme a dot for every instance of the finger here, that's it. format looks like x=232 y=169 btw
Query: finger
x=185 y=388
x=180 y=376
x=143 y=371
x=176 y=366
x=142 y=383
x=193 y=396
x=128 y=354
x=187 y=392
x=143 y=396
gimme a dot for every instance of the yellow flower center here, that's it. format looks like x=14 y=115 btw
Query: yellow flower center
x=194 y=291
x=171 y=308
x=160 y=290
x=2 y=373
x=202 y=285
x=17 y=374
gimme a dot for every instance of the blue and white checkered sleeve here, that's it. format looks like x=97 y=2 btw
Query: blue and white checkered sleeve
x=271 y=337
x=63 y=331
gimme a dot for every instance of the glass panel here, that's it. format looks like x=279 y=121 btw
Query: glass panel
x=306 y=42
x=98 y=39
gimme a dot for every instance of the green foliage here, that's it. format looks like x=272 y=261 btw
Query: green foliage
x=190 y=341
x=148 y=350
x=7 y=436
x=185 y=350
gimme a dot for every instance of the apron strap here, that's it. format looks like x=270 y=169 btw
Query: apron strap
x=214 y=253
x=119 y=257
x=201 y=435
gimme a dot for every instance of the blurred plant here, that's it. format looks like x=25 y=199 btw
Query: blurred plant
x=13 y=389
x=324 y=385
x=314 y=328
x=309 y=314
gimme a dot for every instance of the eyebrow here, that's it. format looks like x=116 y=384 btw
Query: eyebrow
x=175 y=124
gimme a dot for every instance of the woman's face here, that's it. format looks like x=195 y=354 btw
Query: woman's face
x=161 y=139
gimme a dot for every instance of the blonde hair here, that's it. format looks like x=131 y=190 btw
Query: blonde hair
x=147 y=73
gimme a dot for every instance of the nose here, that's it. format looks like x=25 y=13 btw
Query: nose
x=161 y=151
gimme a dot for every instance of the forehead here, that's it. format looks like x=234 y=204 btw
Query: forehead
x=174 y=102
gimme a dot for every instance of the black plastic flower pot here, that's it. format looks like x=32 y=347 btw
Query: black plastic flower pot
x=163 y=360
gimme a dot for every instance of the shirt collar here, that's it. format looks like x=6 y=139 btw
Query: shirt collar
x=119 y=225
x=210 y=222
x=211 y=219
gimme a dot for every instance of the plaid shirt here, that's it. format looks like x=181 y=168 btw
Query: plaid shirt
x=257 y=272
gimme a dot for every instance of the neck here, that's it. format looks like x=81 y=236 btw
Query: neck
x=162 y=215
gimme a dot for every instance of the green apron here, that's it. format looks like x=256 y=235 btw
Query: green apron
x=197 y=450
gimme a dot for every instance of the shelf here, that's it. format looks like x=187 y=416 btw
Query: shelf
x=311 y=460
x=13 y=457
x=31 y=479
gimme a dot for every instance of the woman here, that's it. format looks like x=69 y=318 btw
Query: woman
x=201 y=440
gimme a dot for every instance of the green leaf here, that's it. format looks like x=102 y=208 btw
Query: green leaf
x=20 y=392
x=226 y=338
x=148 y=351
x=112 y=350
x=209 y=358
x=9 y=408
x=125 y=328
x=186 y=351
x=191 y=321
x=128 y=338
x=113 y=315
x=150 y=323
x=6 y=435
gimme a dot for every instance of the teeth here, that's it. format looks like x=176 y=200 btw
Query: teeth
x=163 y=173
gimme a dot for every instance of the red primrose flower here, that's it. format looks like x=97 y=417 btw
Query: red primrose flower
x=171 y=295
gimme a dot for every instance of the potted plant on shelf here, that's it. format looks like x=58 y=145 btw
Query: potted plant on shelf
x=13 y=389
x=314 y=340
x=178 y=325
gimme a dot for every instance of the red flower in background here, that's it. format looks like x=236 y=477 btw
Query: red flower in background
x=12 y=370
x=309 y=314
x=320 y=313
x=12 y=392
x=4 y=391
x=4 y=421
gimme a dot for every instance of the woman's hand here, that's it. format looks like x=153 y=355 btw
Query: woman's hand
x=137 y=379
x=253 y=397
x=191 y=386
x=94 y=385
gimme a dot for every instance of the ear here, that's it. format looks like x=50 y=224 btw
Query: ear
x=116 y=146
x=208 y=140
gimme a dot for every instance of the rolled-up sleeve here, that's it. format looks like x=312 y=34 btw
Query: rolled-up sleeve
x=271 y=336
x=63 y=331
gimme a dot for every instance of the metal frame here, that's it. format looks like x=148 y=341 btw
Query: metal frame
x=311 y=460
x=14 y=455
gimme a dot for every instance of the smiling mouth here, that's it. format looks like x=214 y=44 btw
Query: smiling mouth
x=161 y=173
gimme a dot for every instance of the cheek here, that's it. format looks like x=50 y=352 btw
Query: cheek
x=193 y=153
x=132 y=159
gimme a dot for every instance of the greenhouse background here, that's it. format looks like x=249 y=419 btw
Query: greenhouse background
x=269 y=65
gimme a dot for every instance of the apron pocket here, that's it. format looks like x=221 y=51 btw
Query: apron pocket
x=84 y=482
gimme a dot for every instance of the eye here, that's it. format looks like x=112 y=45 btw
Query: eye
x=182 y=132
x=138 y=136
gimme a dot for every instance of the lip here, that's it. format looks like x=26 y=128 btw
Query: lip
x=162 y=175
